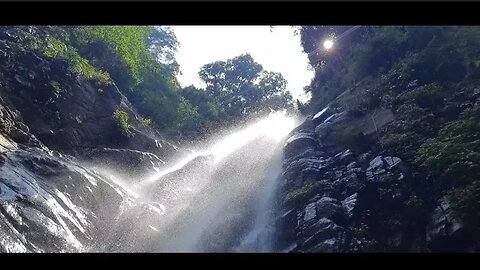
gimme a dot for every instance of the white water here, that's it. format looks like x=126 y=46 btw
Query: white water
x=219 y=198
x=260 y=236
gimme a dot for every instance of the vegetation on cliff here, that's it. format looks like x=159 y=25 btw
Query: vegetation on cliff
x=428 y=76
x=140 y=62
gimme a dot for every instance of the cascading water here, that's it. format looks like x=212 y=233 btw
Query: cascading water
x=217 y=199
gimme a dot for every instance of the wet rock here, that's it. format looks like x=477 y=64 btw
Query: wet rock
x=309 y=153
x=344 y=157
x=351 y=165
x=49 y=204
x=22 y=127
x=298 y=143
x=320 y=117
x=306 y=126
x=349 y=204
x=323 y=129
x=330 y=208
x=310 y=212
x=126 y=161
x=19 y=135
x=320 y=231
x=444 y=228
x=349 y=184
x=299 y=170
x=326 y=188
x=379 y=166
x=329 y=245
x=364 y=157
x=412 y=84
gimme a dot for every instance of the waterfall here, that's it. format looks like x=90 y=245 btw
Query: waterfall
x=259 y=238
x=219 y=198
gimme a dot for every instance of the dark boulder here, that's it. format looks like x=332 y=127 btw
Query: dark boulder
x=299 y=143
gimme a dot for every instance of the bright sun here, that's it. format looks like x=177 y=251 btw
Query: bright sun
x=327 y=44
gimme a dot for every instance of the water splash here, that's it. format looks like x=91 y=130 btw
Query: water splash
x=204 y=202
x=211 y=194
x=276 y=126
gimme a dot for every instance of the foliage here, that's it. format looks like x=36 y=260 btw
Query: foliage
x=5 y=126
x=429 y=77
x=146 y=55
x=416 y=209
x=466 y=201
x=361 y=239
x=57 y=90
x=425 y=53
x=453 y=157
x=54 y=42
x=140 y=62
x=241 y=86
x=348 y=135
x=121 y=119
x=128 y=41
x=429 y=96
x=187 y=114
x=78 y=65
x=146 y=121
x=302 y=193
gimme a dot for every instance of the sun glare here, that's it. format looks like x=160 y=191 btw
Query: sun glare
x=328 y=44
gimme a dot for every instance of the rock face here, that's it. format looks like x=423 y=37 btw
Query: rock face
x=340 y=199
x=127 y=163
x=74 y=120
x=331 y=192
x=43 y=193
x=50 y=201
x=446 y=232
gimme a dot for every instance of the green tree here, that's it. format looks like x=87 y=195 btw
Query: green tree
x=241 y=86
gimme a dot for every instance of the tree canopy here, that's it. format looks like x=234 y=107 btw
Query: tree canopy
x=241 y=86
x=140 y=62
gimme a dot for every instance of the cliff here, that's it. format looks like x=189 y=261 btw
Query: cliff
x=391 y=163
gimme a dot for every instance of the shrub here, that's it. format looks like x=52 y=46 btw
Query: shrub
x=5 y=125
x=302 y=193
x=416 y=209
x=428 y=96
x=466 y=201
x=57 y=90
x=128 y=41
x=147 y=121
x=55 y=48
x=121 y=119
x=349 y=136
x=454 y=155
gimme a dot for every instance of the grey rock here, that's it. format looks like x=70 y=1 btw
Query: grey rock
x=330 y=208
x=128 y=162
x=349 y=204
x=320 y=117
x=443 y=223
x=329 y=245
x=322 y=230
x=380 y=165
x=412 y=84
x=298 y=143
x=310 y=212
x=351 y=165
x=345 y=157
